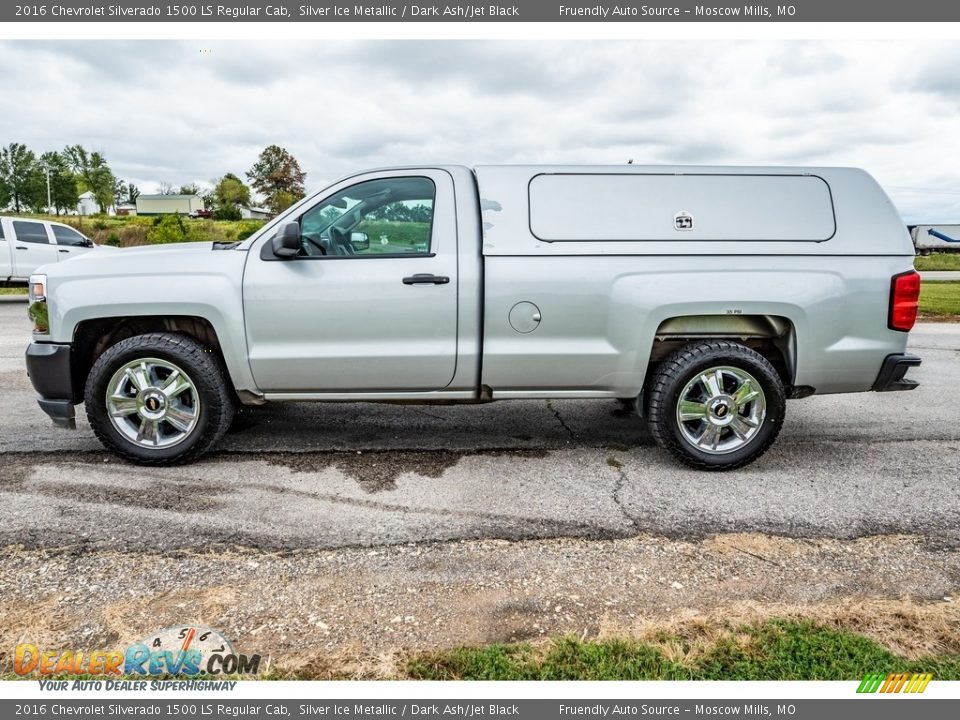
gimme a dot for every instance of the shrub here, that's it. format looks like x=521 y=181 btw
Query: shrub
x=112 y=239
x=243 y=230
x=227 y=212
x=204 y=231
x=133 y=235
x=168 y=229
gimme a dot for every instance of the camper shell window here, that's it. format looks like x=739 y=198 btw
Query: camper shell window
x=680 y=207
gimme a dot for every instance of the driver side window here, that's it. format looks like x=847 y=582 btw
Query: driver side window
x=388 y=217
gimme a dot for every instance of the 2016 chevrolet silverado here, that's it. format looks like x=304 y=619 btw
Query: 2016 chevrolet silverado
x=703 y=296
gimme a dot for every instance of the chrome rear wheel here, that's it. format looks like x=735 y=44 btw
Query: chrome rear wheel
x=715 y=404
x=721 y=409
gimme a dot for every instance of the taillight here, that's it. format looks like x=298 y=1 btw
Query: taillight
x=904 y=300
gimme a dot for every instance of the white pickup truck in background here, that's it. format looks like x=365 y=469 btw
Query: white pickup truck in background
x=26 y=244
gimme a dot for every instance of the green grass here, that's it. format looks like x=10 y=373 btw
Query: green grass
x=938 y=261
x=773 y=650
x=941 y=299
x=13 y=291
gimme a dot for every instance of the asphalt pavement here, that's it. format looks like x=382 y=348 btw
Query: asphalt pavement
x=940 y=275
x=323 y=476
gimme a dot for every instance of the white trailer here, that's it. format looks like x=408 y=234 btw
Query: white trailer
x=927 y=238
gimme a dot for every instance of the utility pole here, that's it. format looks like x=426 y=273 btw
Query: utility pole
x=46 y=170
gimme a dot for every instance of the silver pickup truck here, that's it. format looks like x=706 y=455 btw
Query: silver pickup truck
x=703 y=296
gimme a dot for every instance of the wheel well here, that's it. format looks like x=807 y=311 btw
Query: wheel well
x=92 y=337
x=770 y=335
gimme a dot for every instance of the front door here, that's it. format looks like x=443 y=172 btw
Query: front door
x=31 y=247
x=69 y=242
x=370 y=302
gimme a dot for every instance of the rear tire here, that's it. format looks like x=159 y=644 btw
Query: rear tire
x=716 y=405
x=159 y=399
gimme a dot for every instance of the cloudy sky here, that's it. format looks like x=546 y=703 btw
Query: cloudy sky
x=181 y=112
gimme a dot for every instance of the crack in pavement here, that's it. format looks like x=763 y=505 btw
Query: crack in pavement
x=563 y=423
x=617 y=489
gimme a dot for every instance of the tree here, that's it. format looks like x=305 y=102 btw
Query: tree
x=125 y=194
x=277 y=176
x=166 y=189
x=191 y=189
x=17 y=168
x=94 y=174
x=229 y=195
x=64 y=193
x=35 y=189
x=119 y=192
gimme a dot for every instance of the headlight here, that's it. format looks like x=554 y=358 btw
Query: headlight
x=38 y=288
x=37 y=309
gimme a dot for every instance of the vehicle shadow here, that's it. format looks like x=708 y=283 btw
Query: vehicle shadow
x=520 y=424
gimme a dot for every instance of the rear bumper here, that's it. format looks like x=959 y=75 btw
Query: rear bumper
x=892 y=373
x=48 y=365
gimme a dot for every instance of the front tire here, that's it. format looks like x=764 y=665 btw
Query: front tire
x=158 y=399
x=716 y=405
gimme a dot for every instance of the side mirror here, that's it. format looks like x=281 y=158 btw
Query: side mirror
x=286 y=243
x=360 y=240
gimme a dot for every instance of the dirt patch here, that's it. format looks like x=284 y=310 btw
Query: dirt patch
x=179 y=495
x=378 y=471
x=359 y=612
x=17 y=467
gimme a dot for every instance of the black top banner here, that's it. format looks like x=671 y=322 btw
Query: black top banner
x=518 y=11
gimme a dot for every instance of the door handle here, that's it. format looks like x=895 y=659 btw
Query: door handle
x=426 y=279
x=20 y=247
x=64 y=251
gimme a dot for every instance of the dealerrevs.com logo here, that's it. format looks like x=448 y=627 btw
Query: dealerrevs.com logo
x=184 y=650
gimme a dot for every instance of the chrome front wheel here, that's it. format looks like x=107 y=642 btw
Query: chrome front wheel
x=153 y=403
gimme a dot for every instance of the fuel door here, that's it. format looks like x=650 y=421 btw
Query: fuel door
x=524 y=317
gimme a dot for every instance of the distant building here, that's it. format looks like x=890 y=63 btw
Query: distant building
x=88 y=204
x=127 y=209
x=169 y=204
x=255 y=213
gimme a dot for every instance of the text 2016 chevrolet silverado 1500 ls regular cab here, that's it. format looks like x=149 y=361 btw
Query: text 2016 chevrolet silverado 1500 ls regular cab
x=707 y=295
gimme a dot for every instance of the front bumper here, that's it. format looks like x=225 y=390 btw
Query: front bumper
x=48 y=365
x=892 y=373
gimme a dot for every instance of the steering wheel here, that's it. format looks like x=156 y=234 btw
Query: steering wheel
x=340 y=241
x=318 y=246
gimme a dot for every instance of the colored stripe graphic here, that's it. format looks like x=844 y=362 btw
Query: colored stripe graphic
x=871 y=681
x=894 y=683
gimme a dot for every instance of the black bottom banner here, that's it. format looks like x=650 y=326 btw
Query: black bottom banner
x=874 y=708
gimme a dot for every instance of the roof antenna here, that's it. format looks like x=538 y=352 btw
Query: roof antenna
x=630 y=161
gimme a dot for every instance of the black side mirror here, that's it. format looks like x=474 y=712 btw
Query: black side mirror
x=360 y=240
x=286 y=243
